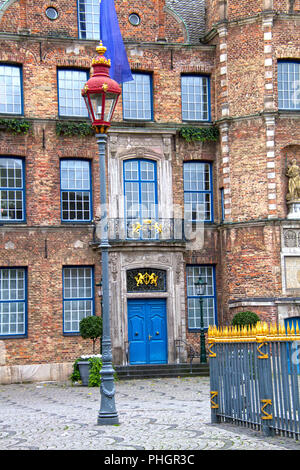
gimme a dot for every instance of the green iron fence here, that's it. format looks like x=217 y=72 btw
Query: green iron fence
x=254 y=378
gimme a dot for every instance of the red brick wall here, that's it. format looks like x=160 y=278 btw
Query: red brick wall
x=243 y=8
x=155 y=22
x=245 y=69
x=44 y=261
x=166 y=65
x=43 y=149
x=250 y=267
x=246 y=254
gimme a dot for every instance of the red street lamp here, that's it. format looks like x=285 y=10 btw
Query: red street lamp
x=101 y=93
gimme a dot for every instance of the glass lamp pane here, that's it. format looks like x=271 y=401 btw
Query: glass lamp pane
x=96 y=101
x=88 y=108
x=110 y=99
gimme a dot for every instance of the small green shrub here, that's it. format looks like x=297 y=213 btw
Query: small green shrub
x=245 y=318
x=95 y=367
x=202 y=134
x=91 y=327
x=75 y=376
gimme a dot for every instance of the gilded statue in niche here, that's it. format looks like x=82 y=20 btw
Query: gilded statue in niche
x=293 y=174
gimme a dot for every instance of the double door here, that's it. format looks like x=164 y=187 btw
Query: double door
x=147 y=331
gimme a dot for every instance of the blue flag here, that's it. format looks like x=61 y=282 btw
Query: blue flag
x=111 y=37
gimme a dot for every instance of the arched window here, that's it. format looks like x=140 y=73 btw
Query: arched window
x=140 y=191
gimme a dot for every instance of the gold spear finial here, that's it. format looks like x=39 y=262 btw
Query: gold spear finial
x=101 y=59
x=101 y=49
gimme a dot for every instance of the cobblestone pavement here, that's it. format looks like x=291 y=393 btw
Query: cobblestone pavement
x=154 y=414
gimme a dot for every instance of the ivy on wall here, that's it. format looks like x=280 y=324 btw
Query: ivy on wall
x=202 y=134
x=15 y=126
x=74 y=128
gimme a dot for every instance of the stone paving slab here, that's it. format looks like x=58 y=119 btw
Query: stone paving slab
x=154 y=414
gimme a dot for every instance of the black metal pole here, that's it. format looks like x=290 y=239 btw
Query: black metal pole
x=202 y=335
x=107 y=413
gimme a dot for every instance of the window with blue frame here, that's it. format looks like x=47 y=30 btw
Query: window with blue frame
x=289 y=85
x=13 y=301
x=12 y=190
x=10 y=89
x=207 y=274
x=78 y=296
x=140 y=189
x=76 y=190
x=70 y=100
x=137 y=98
x=89 y=19
x=197 y=184
x=195 y=98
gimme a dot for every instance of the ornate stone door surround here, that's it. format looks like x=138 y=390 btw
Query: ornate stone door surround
x=150 y=256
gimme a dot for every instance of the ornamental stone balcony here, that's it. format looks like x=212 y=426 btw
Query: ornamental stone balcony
x=149 y=230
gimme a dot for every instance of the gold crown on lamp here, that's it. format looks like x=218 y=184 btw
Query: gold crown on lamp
x=101 y=59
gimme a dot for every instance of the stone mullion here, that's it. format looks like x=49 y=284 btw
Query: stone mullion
x=267 y=27
x=224 y=136
x=223 y=71
x=271 y=171
x=269 y=106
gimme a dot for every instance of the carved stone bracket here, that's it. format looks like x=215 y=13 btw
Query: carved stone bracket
x=113 y=145
x=114 y=265
x=167 y=147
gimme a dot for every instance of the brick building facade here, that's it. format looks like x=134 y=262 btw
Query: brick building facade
x=178 y=208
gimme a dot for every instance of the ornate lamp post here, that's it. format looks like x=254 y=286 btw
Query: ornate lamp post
x=200 y=289
x=101 y=94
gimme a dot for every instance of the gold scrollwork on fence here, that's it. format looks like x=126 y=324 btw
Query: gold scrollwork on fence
x=266 y=402
x=260 y=333
x=261 y=354
x=213 y=395
x=211 y=353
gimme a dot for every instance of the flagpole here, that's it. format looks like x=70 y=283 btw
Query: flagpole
x=99 y=20
x=111 y=38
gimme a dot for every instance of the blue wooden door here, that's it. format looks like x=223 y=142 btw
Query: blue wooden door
x=147 y=331
x=293 y=351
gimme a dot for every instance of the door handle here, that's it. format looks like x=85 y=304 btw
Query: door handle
x=149 y=337
x=157 y=333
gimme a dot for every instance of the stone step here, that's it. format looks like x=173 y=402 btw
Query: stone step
x=161 y=370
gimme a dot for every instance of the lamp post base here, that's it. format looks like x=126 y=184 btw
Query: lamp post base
x=106 y=419
x=107 y=412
